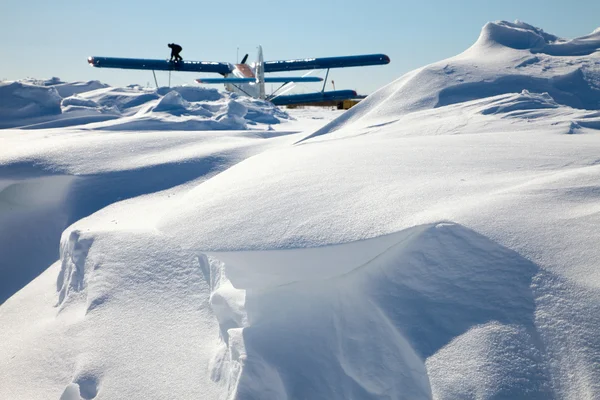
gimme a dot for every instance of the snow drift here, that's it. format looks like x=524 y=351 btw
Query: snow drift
x=437 y=241
x=54 y=104
x=21 y=101
x=507 y=58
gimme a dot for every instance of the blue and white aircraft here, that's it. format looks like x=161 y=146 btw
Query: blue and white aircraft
x=250 y=79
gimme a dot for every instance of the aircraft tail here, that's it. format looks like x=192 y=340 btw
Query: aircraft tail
x=260 y=74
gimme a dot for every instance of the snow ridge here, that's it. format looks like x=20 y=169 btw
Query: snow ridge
x=441 y=293
x=506 y=58
x=39 y=105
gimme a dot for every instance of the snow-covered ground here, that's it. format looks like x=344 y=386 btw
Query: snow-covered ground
x=31 y=105
x=439 y=240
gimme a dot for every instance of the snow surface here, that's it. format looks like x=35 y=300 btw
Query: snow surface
x=437 y=241
x=40 y=104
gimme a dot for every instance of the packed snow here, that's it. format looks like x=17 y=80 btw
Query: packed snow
x=39 y=104
x=437 y=241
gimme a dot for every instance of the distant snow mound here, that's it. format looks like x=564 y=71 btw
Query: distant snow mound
x=182 y=108
x=76 y=101
x=173 y=103
x=38 y=104
x=522 y=36
x=521 y=101
x=21 y=100
x=72 y=88
x=261 y=111
x=42 y=82
x=125 y=100
x=65 y=89
x=192 y=93
x=517 y=35
x=506 y=58
x=255 y=111
x=77 y=110
x=233 y=114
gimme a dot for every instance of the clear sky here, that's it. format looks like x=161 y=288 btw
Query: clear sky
x=43 y=38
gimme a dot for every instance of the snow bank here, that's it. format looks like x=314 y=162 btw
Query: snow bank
x=52 y=178
x=73 y=88
x=42 y=82
x=193 y=93
x=130 y=108
x=517 y=35
x=126 y=100
x=19 y=101
x=76 y=101
x=524 y=101
x=433 y=284
x=184 y=108
x=507 y=58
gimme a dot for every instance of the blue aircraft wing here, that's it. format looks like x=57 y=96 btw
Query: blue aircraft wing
x=161 y=65
x=326 y=62
x=285 y=79
x=267 y=80
x=211 y=81
x=305 y=98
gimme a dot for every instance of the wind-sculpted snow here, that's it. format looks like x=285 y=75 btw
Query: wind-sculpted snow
x=507 y=58
x=437 y=241
x=435 y=310
x=68 y=175
x=517 y=35
x=522 y=36
x=21 y=101
x=73 y=88
x=40 y=105
x=76 y=101
x=524 y=101
x=173 y=112
x=374 y=324
x=571 y=89
x=445 y=162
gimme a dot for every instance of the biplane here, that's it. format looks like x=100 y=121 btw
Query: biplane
x=250 y=79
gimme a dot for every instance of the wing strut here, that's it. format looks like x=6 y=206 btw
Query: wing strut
x=325 y=81
x=290 y=86
x=155 y=81
x=277 y=90
x=242 y=90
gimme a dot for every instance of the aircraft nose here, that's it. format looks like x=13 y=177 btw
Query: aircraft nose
x=91 y=60
x=387 y=59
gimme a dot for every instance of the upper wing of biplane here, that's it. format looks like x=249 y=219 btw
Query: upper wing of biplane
x=224 y=68
x=326 y=62
x=161 y=65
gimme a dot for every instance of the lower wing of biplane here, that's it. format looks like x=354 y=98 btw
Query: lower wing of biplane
x=250 y=79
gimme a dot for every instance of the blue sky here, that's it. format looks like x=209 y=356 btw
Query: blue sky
x=44 y=38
